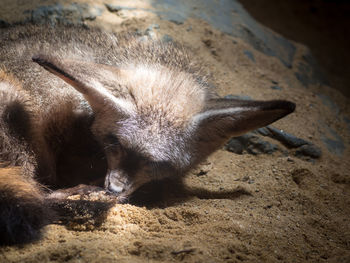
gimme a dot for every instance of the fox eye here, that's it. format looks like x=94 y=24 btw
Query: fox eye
x=111 y=140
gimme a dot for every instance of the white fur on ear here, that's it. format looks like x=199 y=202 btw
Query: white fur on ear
x=120 y=104
x=86 y=78
x=231 y=117
x=224 y=118
x=215 y=113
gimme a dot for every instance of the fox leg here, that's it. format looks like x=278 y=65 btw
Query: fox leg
x=81 y=189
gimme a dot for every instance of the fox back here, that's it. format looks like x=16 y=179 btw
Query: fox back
x=146 y=104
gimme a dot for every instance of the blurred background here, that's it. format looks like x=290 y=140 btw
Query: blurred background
x=322 y=25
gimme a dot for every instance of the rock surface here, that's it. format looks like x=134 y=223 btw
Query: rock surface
x=252 y=143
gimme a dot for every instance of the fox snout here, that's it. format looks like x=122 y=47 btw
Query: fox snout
x=119 y=183
x=116 y=182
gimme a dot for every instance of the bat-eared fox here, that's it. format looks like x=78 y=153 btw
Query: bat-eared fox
x=129 y=108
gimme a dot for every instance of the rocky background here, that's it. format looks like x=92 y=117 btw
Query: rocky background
x=277 y=194
x=320 y=24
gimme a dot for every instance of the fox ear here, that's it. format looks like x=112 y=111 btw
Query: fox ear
x=87 y=78
x=224 y=118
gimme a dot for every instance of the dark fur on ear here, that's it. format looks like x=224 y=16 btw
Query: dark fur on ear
x=23 y=211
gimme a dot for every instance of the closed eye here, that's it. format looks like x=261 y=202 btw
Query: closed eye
x=110 y=141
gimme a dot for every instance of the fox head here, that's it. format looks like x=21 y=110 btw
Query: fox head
x=155 y=122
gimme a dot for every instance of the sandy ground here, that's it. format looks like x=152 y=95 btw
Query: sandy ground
x=250 y=208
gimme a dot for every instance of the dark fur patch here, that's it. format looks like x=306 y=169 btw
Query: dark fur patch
x=21 y=219
x=81 y=159
x=23 y=211
x=18 y=120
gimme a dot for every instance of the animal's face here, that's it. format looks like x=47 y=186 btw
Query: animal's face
x=140 y=149
x=129 y=168
x=154 y=122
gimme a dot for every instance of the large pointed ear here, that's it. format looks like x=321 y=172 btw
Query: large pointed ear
x=89 y=79
x=224 y=118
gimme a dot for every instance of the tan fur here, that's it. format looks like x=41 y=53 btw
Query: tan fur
x=176 y=94
x=15 y=150
x=19 y=186
x=9 y=79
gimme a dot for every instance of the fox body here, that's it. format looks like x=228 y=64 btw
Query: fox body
x=139 y=110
